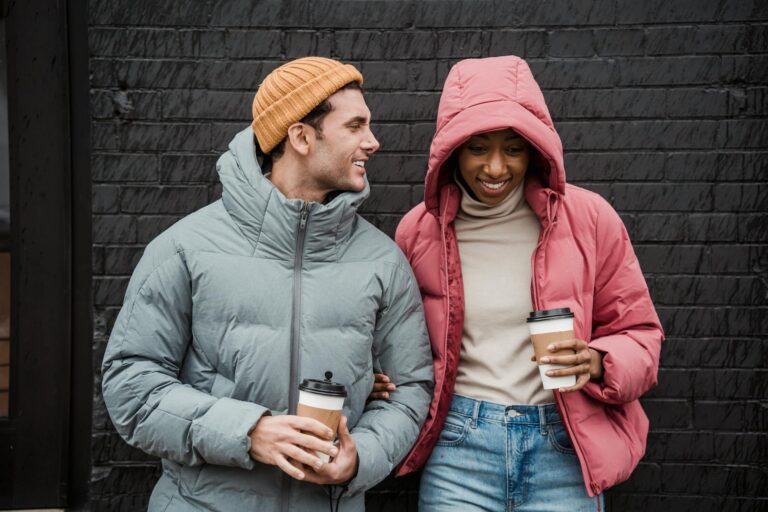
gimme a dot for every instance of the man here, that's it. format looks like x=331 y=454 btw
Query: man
x=279 y=281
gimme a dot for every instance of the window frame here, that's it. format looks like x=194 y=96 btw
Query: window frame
x=45 y=441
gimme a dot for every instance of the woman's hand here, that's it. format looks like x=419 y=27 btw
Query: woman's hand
x=381 y=387
x=586 y=364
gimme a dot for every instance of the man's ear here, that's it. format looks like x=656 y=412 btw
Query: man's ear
x=300 y=137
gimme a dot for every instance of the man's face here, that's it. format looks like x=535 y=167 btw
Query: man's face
x=337 y=159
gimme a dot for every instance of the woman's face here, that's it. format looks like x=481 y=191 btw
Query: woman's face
x=492 y=164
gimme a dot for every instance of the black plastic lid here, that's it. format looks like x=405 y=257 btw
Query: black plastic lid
x=549 y=314
x=324 y=387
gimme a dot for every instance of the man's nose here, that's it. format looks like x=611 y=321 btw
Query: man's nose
x=370 y=144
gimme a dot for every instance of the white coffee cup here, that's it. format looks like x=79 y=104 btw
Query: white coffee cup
x=322 y=400
x=546 y=327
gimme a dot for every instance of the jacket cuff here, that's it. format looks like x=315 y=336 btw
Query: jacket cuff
x=621 y=383
x=221 y=434
x=370 y=466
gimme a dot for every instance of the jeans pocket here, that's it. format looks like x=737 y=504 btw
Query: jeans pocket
x=559 y=439
x=454 y=430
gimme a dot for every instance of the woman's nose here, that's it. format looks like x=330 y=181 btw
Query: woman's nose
x=495 y=166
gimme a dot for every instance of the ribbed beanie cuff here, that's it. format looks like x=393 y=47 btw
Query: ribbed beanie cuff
x=292 y=91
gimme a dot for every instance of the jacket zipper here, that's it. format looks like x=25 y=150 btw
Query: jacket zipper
x=293 y=389
x=298 y=259
x=537 y=305
x=443 y=228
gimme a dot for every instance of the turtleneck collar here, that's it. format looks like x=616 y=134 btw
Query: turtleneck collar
x=269 y=220
x=472 y=208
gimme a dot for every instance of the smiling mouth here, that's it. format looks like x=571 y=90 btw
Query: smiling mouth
x=359 y=163
x=494 y=186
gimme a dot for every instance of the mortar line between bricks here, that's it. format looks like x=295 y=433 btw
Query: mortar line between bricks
x=708 y=274
x=745 y=401
x=428 y=28
x=709 y=431
x=128 y=59
x=712 y=463
x=134 y=464
x=655 y=87
x=754 y=338
x=683 y=495
x=434 y=92
x=395 y=122
x=313 y=28
x=596 y=58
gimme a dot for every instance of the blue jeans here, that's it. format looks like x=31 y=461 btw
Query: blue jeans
x=492 y=457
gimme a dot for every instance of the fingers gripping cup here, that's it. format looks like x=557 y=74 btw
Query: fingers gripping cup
x=548 y=326
x=322 y=400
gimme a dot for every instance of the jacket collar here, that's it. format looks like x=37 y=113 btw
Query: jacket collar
x=540 y=197
x=269 y=220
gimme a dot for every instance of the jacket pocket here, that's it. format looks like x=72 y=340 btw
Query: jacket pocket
x=188 y=477
x=175 y=505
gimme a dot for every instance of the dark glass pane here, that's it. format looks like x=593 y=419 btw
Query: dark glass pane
x=5 y=220
x=5 y=215
x=5 y=329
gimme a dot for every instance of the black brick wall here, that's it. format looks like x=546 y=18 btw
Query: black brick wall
x=661 y=106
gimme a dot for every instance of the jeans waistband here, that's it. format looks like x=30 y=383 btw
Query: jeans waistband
x=522 y=414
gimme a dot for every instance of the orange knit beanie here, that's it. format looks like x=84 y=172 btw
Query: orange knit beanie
x=292 y=91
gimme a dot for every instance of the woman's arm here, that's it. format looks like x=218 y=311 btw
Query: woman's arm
x=625 y=327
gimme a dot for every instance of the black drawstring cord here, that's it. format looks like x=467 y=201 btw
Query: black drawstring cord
x=338 y=500
x=331 y=489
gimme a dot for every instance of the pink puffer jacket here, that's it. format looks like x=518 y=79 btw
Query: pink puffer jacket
x=583 y=260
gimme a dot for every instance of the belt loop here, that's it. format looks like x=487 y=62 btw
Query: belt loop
x=475 y=414
x=543 y=419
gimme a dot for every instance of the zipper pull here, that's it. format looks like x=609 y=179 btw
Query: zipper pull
x=304 y=215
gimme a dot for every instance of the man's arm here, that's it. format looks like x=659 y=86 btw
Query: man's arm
x=152 y=410
x=387 y=429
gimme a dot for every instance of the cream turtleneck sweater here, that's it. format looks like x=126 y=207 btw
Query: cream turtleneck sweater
x=496 y=244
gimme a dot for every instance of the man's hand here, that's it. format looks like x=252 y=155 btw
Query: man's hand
x=285 y=442
x=342 y=468
x=381 y=387
x=586 y=364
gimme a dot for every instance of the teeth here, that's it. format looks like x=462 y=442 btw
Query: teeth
x=493 y=186
x=359 y=163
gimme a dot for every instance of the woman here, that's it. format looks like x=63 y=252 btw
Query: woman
x=500 y=234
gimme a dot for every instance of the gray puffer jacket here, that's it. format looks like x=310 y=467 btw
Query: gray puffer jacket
x=230 y=308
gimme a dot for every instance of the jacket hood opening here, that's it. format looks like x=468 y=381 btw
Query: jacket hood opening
x=539 y=167
x=485 y=95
